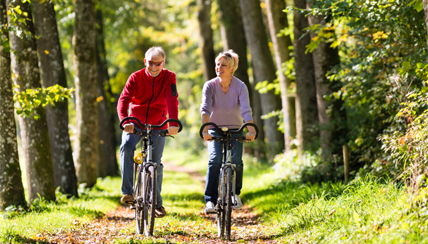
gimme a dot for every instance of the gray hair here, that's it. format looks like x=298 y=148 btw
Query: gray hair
x=155 y=51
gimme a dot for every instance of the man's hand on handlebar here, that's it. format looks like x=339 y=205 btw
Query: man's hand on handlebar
x=129 y=128
x=172 y=130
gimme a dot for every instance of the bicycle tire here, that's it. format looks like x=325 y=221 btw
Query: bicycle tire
x=220 y=222
x=228 y=205
x=139 y=208
x=151 y=202
x=220 y=207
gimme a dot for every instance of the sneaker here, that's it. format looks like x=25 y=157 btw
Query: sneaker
x=237 y=203
x=127 y=198
x=209 y=208
x=160 y=212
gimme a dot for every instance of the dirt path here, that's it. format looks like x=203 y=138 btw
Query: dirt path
x=120 y=225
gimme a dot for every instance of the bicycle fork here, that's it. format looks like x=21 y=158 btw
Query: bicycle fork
x=223 y=179
x=147 y=164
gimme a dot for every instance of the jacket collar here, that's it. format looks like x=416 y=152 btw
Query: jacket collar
x=146 y=72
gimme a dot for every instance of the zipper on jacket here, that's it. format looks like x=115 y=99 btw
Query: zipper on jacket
x=153 y=94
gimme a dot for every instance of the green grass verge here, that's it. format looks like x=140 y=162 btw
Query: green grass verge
x=364 y=211
x=19 y=225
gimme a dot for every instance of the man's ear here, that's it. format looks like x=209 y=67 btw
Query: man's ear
x=145 y=62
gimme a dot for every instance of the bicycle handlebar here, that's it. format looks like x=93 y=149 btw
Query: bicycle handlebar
x=229 y=131
x=144 y=126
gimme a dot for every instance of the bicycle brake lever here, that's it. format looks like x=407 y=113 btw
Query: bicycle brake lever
x=164 y=134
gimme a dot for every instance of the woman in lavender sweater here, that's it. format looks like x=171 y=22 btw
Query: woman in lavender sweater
x=225 y=101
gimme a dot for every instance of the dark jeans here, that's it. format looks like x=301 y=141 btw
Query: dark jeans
x=214 y=165
x=127 y=148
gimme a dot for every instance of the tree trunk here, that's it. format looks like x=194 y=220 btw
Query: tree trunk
x=52 y=70
x=11 y=188
x=278 y=21
x=206 y=44
x=325 y=58
x=107 y=145
x=264 y=70
x=34 y=132
x=425 y=3
x=87 y=137
x=306 y=101
x=233 y=35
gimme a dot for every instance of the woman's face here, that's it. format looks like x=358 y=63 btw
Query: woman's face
x=222 y=70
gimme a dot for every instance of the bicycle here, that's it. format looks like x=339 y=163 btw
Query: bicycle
x=226 y=187
x=145 y=175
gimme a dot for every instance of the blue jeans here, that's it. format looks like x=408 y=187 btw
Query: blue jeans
x=214 y=165
x=127 y=148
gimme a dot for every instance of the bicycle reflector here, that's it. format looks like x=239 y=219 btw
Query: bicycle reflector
x=139 y=158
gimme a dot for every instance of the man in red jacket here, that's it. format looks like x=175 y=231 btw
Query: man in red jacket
x=149 y=94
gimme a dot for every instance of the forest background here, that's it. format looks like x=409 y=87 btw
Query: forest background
x=323 y=76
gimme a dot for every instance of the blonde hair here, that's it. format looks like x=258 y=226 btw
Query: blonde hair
x=155 y=51
x=231 y=59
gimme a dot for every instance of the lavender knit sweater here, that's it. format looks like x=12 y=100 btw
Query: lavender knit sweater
x=228 y=109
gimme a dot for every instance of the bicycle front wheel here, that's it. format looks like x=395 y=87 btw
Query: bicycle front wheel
x=150 y=193
x=228 y=207
x=221 y=207
x=139 y=206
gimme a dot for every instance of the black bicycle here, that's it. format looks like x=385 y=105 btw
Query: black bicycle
x=145 y=174
x=226 y=187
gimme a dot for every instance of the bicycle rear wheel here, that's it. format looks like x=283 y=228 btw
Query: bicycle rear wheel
x=228 y=205
x=139 y=206
x=150 y=196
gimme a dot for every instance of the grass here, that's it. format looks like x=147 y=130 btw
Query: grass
x=363 y=211
x=18 y=225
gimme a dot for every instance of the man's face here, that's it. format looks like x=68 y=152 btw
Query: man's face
x=154 y=64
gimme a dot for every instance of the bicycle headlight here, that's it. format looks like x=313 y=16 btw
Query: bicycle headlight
x=139 y=158
x=224 y=129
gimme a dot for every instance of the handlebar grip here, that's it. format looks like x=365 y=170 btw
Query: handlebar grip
x=131 y=118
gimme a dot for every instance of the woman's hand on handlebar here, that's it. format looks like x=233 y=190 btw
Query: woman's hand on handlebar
x=128 y=128
x=172 y=130
x=250 y=136
x=207 y=136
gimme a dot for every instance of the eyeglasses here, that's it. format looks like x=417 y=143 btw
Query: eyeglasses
x=226 y=54
x=156 y=63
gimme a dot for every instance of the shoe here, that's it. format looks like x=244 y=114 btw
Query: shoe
x=209 y=208
x=160 y=212
x=127 y=198
x=237 y=203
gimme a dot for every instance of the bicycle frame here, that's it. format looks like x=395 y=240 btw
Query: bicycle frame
x=145 y=175
x=227 y=163
x=227 y=181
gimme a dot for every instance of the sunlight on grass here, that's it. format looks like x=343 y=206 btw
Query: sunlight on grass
x=64 y=214
x=186 y=158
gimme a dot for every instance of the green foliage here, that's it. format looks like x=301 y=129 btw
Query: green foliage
x=17 y=22
x=405 y=156
x=31 y=99
x=383 y=58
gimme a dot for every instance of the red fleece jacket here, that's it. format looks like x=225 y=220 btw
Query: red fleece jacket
x=149 y=98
